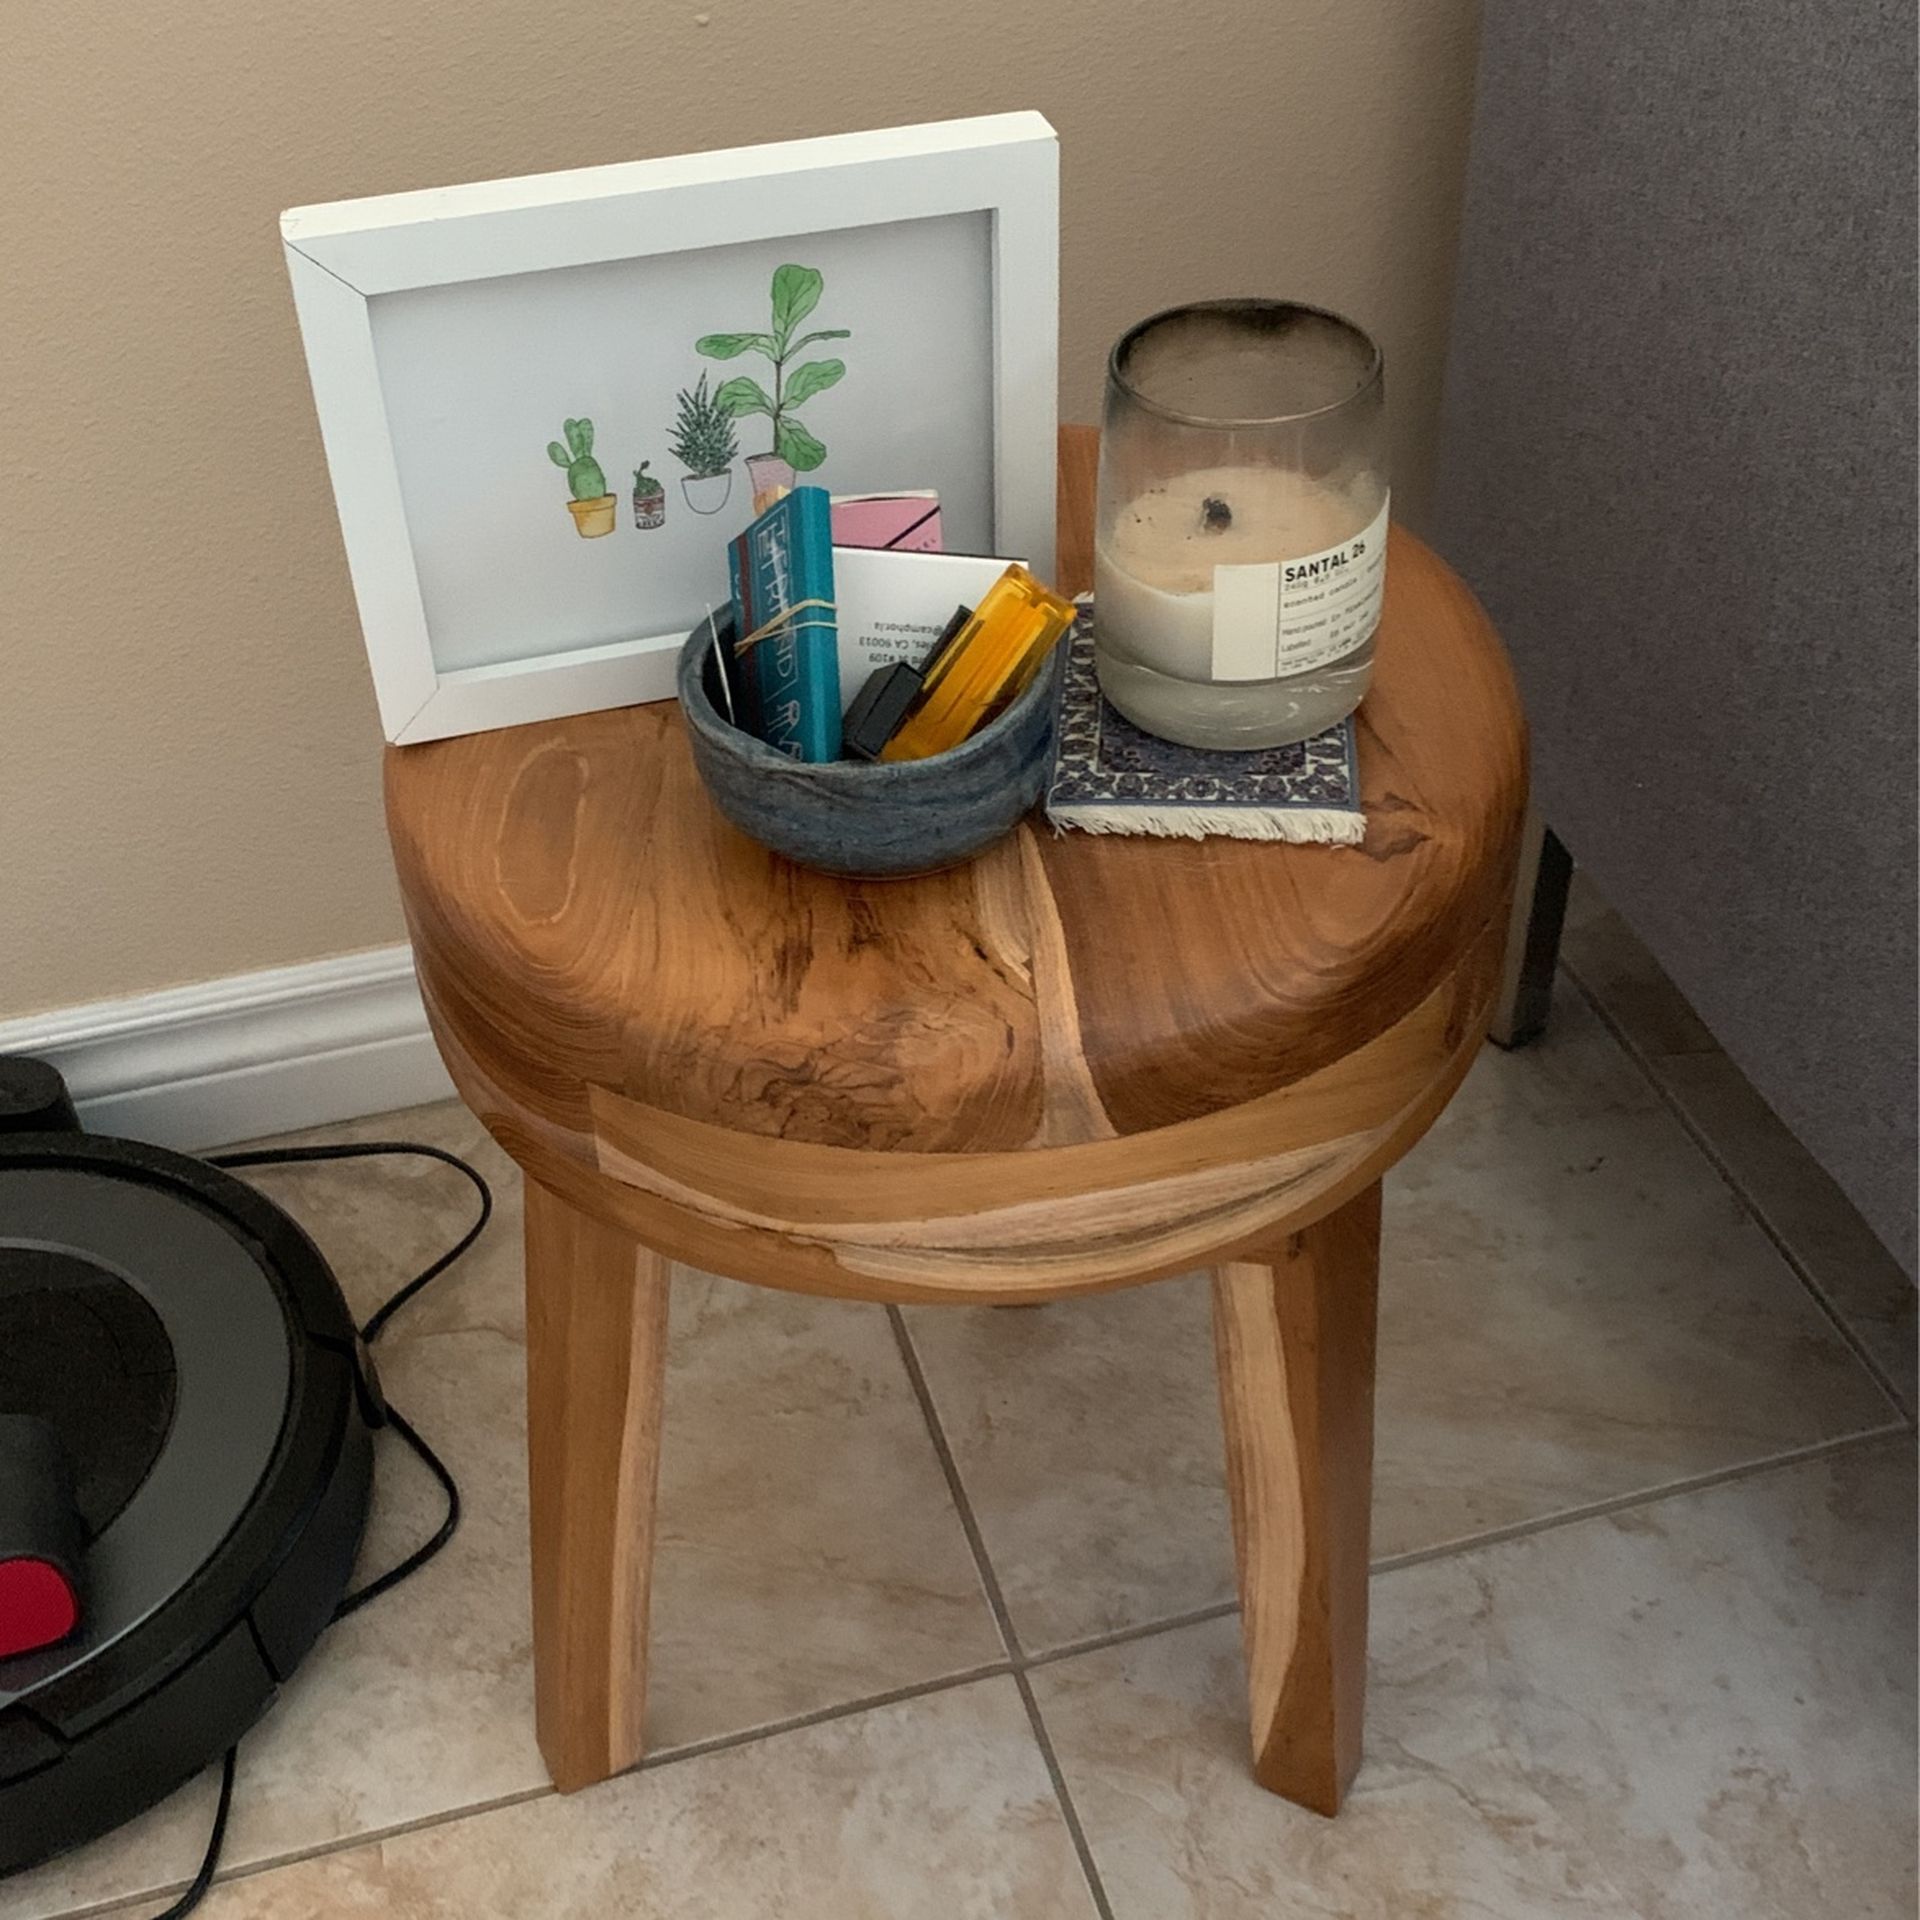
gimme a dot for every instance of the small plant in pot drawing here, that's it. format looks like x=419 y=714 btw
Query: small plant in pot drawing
x=704 y=442
x=592 y=506
x=649 y=498
x=796 y=292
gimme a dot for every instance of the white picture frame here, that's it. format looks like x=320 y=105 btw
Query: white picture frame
x=342 y=257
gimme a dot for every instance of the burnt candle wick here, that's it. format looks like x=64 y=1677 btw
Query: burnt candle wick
x=1215 y=515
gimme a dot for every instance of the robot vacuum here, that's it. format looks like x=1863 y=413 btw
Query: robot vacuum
x=185 y=1461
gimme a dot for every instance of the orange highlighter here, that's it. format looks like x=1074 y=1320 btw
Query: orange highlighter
x=986 y=666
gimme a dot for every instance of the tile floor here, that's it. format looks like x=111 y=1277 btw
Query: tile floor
x=942 y=1621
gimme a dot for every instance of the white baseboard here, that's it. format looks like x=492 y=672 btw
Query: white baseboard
x=253 y=1054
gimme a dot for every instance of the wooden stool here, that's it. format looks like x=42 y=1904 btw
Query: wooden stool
x=1079 y=1062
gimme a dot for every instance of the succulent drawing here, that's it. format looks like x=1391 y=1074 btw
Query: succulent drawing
x=704 y=442
x=703 y=439
x=796 y=292
x=649 y=497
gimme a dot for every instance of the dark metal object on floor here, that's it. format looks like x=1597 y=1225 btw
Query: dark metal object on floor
x=1539 y=914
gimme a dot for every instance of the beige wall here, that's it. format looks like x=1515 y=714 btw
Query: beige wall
x=189 y=758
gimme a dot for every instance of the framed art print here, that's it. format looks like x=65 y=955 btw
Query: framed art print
x=549 y=403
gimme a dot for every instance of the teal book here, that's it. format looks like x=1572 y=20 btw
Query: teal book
x=782 y=573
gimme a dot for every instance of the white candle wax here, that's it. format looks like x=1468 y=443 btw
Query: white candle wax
x=1154 y=603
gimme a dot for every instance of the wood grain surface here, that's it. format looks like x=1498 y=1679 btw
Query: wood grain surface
x=596 y=1363
x=1294 y=1336
x=1077 y=1062
x=1201 y=1039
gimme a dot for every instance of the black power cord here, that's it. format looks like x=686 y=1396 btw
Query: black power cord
x=370 y=1331
x=210 y=1860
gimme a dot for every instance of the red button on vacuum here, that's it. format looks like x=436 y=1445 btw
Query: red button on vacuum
x=37 y=1606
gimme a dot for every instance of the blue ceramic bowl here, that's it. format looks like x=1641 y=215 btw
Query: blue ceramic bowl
x=859 y=818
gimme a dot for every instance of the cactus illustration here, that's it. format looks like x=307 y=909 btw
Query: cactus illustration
x=649 y=497
x=584 y=477
x=592 y=505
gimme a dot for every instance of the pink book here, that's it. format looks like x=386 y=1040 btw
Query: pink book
x=902 y=522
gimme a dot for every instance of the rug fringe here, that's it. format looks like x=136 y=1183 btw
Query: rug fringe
x=1325 y=826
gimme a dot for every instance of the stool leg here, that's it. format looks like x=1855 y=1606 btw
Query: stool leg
x=596 y=1358
x=1295 y=1340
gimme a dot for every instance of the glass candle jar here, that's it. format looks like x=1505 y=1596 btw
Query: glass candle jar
x=1241 y=547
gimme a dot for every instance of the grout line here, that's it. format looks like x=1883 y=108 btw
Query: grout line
x=1011 y=1665
x=816 y=1717
x=1493 y=1537
x=989 y=1580
x=997 y=1602
x=1018 y=1662
x=1017 y=1666
x=1780 y=1244
x=346 y=1843
x=1096 y=1889
x=1119 y=1636
x=1643 y=1497
x=671 y=1756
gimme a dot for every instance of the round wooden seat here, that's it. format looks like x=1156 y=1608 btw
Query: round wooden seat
x=1194 y=1040
x=1077 y=1062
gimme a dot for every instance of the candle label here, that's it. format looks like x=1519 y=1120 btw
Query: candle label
x=1284 y=617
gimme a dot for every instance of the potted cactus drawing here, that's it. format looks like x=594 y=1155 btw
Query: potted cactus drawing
x=796 y=292
x=649 y=498
x=704 y=442
x=592 y=506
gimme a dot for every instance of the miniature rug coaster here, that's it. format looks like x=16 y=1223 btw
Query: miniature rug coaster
x=1109 y=777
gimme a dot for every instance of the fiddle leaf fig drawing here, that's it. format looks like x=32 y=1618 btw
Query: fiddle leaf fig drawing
x=815 y=377
x=796 y=292
x=730 y=346
x=743 y=395
x=797 y=447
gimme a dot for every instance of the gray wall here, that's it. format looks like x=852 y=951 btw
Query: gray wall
x=1678 y=464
